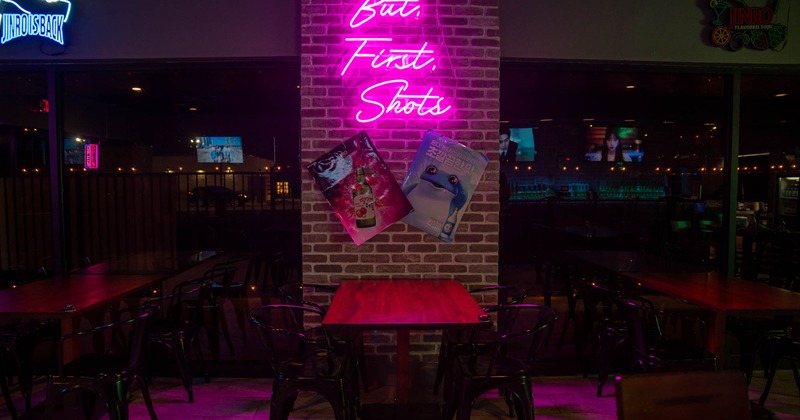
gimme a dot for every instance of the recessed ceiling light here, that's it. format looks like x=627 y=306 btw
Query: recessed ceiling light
x=192 y=109
x=136 y=89
x=781 y=95
x=630 y=87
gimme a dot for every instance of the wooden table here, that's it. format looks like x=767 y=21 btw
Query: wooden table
x=403 y=305
x=724 y=296
x=629 y=262
x=588 y=232
x=46 y=299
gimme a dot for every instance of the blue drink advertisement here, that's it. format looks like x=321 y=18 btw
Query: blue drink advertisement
x=440 y=182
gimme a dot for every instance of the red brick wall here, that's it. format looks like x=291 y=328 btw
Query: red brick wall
x=466 y=34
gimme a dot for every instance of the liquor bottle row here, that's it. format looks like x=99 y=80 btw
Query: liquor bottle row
x=521 y=191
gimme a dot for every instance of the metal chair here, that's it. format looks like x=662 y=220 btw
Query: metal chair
x=109 y=374
x=179 y=322
x=781 y=347
x=319 y=296
x=507 y=365
x=454 y=341
x=656 y=351
x=17 y=345
x=299 y=364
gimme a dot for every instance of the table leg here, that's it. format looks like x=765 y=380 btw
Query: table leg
x=716 y=337
x=71 y=347
x=402 y=366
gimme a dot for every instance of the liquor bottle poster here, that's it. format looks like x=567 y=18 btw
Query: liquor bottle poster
x=440 y=182
x=360 y=188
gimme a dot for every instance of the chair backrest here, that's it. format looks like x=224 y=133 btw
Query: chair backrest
x=647 y=326
x=524 y=332
x=125 y=337
x=506 y=295
x=186 y=303
x=643 y=321
x=688 y=395
x=222 y=274
x=315 y=295
x=280 y=328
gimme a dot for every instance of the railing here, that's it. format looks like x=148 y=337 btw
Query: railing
x=113 y=215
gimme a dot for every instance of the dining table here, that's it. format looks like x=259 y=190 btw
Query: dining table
x=69 y=297
x=723 y=295
x=403 y=305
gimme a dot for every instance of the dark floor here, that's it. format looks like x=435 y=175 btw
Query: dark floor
x=561 y=392
x=555 y=397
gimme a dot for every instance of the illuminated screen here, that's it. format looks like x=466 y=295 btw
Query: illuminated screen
x=73 y=151
x=614 y=144
x=523 y=137
x=219 y=149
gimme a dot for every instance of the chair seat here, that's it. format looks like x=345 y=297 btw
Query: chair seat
x=678 y=353
x=96 y=365
x=312 y=367
x=484 y=366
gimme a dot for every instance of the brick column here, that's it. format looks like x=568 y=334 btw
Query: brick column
x=465 y=34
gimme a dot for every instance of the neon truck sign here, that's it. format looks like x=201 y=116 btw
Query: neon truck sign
x=36 y=18
x=390 y=93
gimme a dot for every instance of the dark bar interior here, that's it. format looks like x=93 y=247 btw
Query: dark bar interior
x=416 y=208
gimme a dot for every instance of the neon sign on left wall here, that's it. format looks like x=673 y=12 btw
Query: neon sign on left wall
x=25 y=23
x=382 y=55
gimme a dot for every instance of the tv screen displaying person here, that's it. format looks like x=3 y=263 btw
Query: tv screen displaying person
x=612 y=149
x=508 y=149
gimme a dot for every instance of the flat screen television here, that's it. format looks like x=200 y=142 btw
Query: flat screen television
x=73 y=151
x=219 y=149
x=623 y=144
x=525 y=147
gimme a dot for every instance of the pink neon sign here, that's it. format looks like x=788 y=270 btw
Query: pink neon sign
x=91 y=159
x=383 y=56
x=385 y=8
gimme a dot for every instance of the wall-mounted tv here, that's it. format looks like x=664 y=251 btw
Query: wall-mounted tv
x=73 y=151
x=517 y=145
x=614 y=144
x=219 y=149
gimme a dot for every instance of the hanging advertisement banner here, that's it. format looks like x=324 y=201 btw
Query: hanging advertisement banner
x=360 y=188
x=440 y=182
x=735 y=25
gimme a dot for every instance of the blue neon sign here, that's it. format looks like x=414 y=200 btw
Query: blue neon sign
x=19 y=22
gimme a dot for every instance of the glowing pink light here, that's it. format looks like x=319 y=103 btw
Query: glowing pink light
x=368 y=11
x=91 y=158
x=397 y=58
x=401 y=102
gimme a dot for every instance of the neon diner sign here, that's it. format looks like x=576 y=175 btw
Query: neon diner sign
x=397 y=95
x=25 y=23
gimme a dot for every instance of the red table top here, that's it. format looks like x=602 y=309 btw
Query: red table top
x=46 y=298
x=403 y=304
x=713 y=291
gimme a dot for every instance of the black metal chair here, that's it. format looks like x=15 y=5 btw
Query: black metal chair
x=179 y=322
x=236 y=291
x=107 y=375
x=454 y=342
x=319 y=296
x=780 y=348
x=299 y=364
x=221 y=277
x=508 y=364
x=607 y=329
x=18 y=342
x=655 y=351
